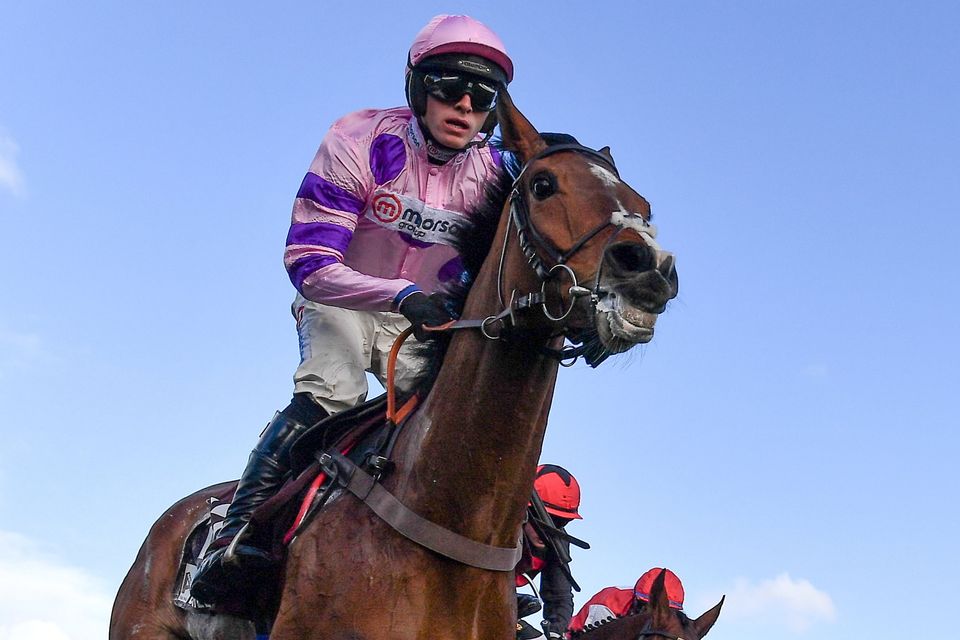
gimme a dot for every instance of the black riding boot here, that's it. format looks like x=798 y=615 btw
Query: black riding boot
x=217 y=576
x=527 y=605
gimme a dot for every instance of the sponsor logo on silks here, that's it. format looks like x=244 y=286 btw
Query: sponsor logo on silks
x=386 y=207
x=414 y=218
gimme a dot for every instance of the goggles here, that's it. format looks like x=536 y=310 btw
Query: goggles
x=450 y=87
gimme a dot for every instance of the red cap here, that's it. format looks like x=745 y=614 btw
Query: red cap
x=559 y=491
x=641 y=590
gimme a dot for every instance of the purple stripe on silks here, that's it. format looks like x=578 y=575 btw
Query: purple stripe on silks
x=302 y=268
x=497 y=158
x=451 y=270
x=387 y=157
x=322 y=233
x=327 y=194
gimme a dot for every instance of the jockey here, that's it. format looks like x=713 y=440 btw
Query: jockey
x=560 y=493
x=614 y=602
x=369 y=241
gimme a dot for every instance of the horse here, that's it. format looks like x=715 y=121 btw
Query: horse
x=654 y=620
x=563 y=248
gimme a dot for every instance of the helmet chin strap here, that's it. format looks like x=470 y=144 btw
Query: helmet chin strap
x=482 y=142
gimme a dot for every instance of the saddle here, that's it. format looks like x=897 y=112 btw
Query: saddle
x=362 y=439
x=362 y=435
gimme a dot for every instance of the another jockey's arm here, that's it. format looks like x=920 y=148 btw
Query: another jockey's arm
x=557 y=593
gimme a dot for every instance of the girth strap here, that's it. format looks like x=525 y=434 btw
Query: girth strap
x=414 y=527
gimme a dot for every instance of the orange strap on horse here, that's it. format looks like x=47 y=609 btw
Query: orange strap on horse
x=393 y=415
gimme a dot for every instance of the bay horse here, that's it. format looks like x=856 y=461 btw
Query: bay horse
x=564 y=248
x=655 y=620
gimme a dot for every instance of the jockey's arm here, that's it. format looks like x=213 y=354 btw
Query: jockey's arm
x=326 y=212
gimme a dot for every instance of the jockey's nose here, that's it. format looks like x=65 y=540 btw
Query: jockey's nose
x=464 y=104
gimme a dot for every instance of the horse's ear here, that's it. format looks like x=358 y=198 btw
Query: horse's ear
x=705 y=622
x=659 y=601
x=517 y=132
x=606 y=151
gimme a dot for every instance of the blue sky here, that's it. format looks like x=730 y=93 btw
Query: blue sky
x=788 y=439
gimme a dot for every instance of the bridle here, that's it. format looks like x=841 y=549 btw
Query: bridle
x=650 y=631
x=646 y=632
x=533 y=243
x=658 y=633
x=531 y=240
x=539 y=250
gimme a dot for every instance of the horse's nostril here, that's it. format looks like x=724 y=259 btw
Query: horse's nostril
x=631 y=257
x=668 y=269
x=667 y=266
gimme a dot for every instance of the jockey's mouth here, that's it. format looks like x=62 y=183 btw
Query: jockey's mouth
x=457 y=123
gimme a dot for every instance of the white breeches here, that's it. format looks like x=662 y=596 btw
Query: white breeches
x=337 y=347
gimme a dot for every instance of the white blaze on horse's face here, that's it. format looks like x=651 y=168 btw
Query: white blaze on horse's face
x=620 y=217
x=606 y=176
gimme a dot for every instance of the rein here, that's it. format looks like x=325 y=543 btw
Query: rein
x=365 y=487
x=532 y=244
x=520 y=216
x=343 y=472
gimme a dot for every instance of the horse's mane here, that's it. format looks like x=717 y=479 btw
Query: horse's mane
x=473 y=246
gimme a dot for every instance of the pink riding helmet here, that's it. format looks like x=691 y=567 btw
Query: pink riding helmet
x=457 y=43
x=459 y=34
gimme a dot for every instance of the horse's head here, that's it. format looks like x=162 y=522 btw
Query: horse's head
x=588 y=237
x=664 y=622
x=655 y=620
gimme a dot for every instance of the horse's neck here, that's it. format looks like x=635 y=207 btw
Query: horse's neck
x=478 y=437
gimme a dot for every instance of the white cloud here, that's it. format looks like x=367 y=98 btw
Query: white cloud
x=42 y=598
x=11 y=178
x=785 y=602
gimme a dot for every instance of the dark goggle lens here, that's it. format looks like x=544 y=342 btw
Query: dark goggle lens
x=451 y=87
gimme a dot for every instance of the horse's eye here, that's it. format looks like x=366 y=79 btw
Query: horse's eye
x=543 y=186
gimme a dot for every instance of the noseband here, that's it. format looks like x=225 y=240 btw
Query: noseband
x=533 y=245
x=531 y=240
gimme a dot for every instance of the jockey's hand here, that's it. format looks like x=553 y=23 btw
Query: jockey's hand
x=422 y=311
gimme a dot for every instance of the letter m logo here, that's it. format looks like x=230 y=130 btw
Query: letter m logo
x=386 y=207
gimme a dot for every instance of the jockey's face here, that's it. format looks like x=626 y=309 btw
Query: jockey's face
x=454 y=124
